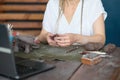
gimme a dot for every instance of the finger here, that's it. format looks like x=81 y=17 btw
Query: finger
x=62 y=41
x=63 y=45
x=53 y=44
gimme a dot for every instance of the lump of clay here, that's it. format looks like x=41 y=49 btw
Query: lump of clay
x=109 y=48
x=52 y=37
x=93 y=46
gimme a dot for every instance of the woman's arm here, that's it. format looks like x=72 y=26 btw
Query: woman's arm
x=42 y=37
x=98 y=36
x=99 y=33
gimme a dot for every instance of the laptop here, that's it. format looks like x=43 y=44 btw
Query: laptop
x=17 y=67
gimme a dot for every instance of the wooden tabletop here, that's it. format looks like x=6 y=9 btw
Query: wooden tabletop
x=107 y=69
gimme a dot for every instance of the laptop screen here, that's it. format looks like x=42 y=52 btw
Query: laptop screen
x=5 y=45
x=7 y=63
x=4 y=33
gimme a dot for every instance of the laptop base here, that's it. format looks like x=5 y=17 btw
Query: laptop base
x=27 y=68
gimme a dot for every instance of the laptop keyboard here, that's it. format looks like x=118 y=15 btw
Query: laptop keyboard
x=29 y=66
x=26 y=67
x=21 y=69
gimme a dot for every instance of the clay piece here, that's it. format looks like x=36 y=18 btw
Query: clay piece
x=93 y=46
x=55 y=35
x=109 y=48
x=24 y=43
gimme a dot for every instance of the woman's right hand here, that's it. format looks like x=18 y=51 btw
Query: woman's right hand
x=51 y=40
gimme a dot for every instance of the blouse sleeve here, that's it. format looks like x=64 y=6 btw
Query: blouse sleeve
x=49 y=16
x=96 y=10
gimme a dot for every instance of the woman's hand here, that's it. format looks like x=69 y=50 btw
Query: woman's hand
x=50 y=39
x=64 y=40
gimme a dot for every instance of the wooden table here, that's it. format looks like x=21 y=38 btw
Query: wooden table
x=108 y=69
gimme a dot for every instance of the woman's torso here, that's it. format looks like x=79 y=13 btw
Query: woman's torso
x=74 y=24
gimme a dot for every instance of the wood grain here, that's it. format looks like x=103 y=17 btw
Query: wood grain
x=22 y=7
x=20 y=16
x=23 y=14
x=25 y=24
x=25 y=1
x=106 y=70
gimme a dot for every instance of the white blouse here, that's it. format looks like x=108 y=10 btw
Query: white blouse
x=91 y=11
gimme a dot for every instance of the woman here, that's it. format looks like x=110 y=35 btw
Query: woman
x=74 y=21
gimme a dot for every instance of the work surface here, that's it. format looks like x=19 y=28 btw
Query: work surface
x=70 y=67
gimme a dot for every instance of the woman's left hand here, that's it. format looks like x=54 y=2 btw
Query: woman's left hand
x=64 y=40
